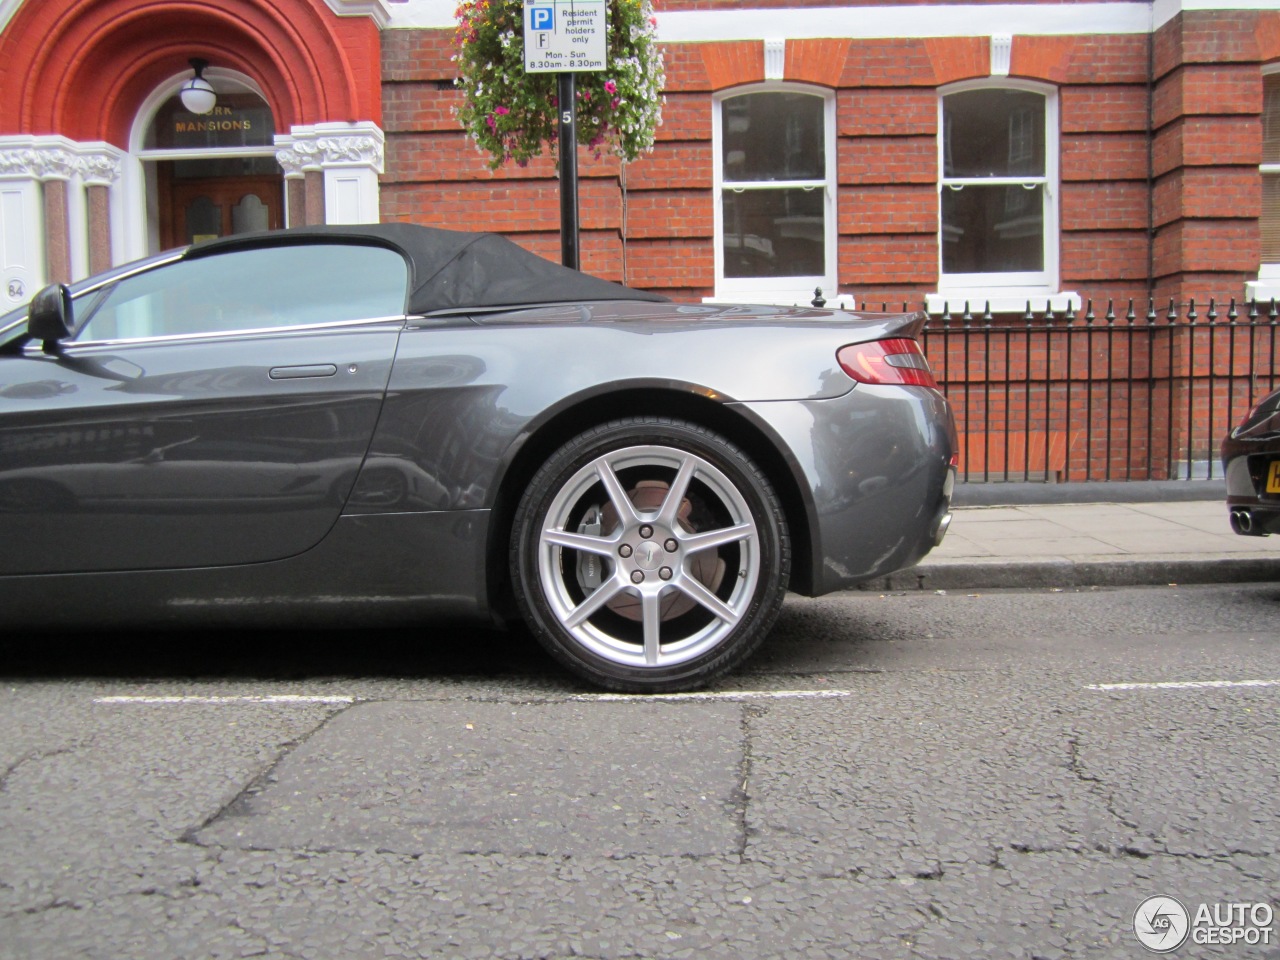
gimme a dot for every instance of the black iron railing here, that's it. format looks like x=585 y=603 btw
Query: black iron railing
x=1139 y=394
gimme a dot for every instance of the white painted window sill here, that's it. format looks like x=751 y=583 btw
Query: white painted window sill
x=1263 y=290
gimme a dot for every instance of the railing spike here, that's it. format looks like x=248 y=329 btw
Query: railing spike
x=1029 y=316
x=967 y=317
x=1253 y=309
x=1173 y=312
x=1232 y=314
x=817 y=300
x=1111 y=313
x=1273 y=313
x=946 y=311
x=987 y=318
x=1151 y=310
x=1130 y=317
x=1191 y=312
x=1088 y=314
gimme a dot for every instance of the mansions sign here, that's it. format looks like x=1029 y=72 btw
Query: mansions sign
x=238 y=120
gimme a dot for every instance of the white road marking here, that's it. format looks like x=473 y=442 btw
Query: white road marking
x=719 y=695
x=1185 y=685
x=282 y=698
x=289 y=698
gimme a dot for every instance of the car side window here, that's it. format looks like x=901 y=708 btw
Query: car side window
x=262 y=287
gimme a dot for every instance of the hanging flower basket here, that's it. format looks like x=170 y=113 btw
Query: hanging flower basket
x=510 y=114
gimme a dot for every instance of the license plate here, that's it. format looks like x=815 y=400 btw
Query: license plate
x=1273 y=477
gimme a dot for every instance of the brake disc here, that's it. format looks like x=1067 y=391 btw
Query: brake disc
x=705 y=566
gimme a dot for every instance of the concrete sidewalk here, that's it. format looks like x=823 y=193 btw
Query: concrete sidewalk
x=1157 y=538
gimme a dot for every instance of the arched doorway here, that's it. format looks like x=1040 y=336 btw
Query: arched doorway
x=208 y=175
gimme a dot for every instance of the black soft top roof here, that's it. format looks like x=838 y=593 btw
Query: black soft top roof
x=450 y=269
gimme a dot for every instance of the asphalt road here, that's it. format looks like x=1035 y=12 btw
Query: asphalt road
x=899 y=775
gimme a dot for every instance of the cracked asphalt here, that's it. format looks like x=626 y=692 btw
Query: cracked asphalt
x=896 y=775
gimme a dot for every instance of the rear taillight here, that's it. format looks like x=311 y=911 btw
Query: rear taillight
x=886 y=361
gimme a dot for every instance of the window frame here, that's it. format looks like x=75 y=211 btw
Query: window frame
x=1005 y=286
x=1267 y=286
x=89 y=300
x=777 y=290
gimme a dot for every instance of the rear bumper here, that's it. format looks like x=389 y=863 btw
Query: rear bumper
x=1248 y=463
x=876 y=472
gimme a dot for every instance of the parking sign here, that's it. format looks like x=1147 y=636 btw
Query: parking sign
x=564 y=36
x=542 y=18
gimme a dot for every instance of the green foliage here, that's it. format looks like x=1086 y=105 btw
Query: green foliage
x=511 y=114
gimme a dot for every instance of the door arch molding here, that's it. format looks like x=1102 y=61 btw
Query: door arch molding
x=81 y=69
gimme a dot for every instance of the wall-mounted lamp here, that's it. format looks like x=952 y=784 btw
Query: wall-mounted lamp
x=197 y=93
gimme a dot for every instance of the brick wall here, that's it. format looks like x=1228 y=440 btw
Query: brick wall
x=1206 y=147
x=1159 y=147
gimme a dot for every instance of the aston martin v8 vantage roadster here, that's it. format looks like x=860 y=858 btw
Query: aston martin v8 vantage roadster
x=393 y=423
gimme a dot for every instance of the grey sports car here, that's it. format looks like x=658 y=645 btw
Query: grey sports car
x=392 y=423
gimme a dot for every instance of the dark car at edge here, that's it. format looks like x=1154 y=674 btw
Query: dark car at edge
x=1251 y=458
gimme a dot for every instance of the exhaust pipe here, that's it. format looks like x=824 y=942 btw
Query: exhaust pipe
x=940 y=530
x=1242 y=523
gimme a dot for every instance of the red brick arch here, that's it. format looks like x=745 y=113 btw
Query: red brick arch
x=83 y=68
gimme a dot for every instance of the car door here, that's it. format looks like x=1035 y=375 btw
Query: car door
x=212 y=410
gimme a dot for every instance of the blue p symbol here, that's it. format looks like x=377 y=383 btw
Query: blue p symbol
x=542 y=18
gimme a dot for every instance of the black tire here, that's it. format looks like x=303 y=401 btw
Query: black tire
x=638 y=590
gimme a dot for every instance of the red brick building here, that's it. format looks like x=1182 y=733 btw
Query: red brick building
x=884 y=151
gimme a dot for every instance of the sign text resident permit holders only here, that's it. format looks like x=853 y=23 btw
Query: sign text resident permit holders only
x=564 y=36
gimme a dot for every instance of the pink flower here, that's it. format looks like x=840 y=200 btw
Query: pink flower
x=610 y=87
x=500 y=110
x=493 y=124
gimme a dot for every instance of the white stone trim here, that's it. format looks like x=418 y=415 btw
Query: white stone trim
x=22 y=253
x=378 y=10
x=909 y=21
x=58 y=158
x=1001 y=54
x=324 y=145
x=35 y=160
x=351 y=155
x=872 y=21
x=1264 y=291
x=775 y=59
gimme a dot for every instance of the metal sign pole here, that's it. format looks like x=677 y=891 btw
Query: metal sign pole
x=566 y=37
x=568 y=173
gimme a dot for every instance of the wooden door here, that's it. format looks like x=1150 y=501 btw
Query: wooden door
x=201 y=209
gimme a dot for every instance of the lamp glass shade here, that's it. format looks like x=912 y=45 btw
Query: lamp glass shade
x=197 y=95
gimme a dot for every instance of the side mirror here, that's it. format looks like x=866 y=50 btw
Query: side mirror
x=49 y=316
